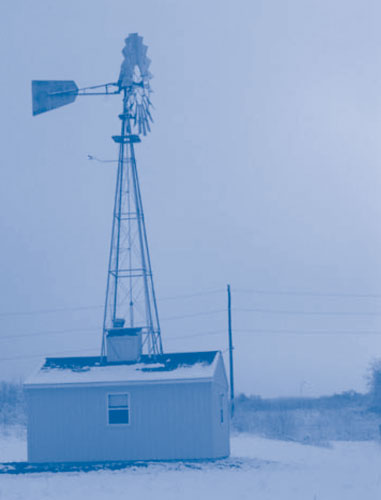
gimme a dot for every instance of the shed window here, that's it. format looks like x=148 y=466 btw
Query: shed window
x=118 y=409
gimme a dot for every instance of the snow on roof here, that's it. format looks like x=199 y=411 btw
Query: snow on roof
x=91 y=370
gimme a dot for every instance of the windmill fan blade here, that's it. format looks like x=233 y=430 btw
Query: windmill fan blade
x=135 y=54
x=51 y=94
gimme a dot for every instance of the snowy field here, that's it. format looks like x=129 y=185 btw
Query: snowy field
x=259 y=469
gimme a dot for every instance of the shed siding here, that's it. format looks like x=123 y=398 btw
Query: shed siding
x=221 y=431
x=220 y=376
x=167 y=421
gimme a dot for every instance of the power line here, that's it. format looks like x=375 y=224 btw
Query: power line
x=192 y=335
x=49 y=332
x=307 y=332
x=189 y=295
x=307 y=313
x=214 y=332
x=309 y=294
x=207 y=313
x=259 y=332
x=212 y=292
x=197 y=294
x=216 y=311
x=47 y=311
x=48 y=355
x=95 y=329
x=202 y=334
x=84 y=308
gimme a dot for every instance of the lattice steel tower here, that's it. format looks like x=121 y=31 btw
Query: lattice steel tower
x=130 y=295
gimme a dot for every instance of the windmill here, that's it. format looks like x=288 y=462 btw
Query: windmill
x=130 y=294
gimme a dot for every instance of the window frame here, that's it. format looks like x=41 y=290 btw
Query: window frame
x=121 y=424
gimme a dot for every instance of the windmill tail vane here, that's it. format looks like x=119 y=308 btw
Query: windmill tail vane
x=133 y=81
x=130 y=295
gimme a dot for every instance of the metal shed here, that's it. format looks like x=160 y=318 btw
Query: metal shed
x=173 y=406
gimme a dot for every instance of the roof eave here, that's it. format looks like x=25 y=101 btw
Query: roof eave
x=71 y=385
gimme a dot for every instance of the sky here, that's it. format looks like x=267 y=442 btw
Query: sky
x=262 y=170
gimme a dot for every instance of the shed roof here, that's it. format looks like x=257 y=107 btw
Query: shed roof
x=171 y=367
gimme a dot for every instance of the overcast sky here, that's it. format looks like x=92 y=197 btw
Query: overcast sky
x=262 y=170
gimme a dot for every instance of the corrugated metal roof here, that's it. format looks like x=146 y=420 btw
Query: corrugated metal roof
x=150 y=369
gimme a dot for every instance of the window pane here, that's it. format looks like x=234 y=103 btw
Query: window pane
x=118 y=417
x=118 y=401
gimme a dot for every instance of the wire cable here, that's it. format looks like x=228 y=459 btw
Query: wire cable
x=307 y=313
x=190 y=295
x=47 y=311
x=192 y=335
x=55 y=354
x=49 y=332
x=302 y=333
x=207 y=313
x=95 y=329
x=85 y=308
x=309 y=294
x=259 y=332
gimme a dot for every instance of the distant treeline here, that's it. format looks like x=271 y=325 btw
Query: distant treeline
x=349 y=416
x=12 y=404
x=336 y=401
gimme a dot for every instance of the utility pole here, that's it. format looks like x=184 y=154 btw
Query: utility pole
x=230 y=351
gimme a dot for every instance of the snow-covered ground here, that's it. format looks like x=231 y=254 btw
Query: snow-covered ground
x=259 y=469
